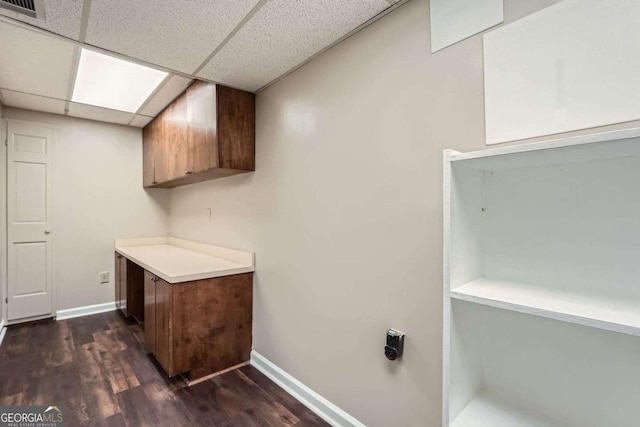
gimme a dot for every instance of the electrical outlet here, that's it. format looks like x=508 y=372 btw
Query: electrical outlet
x=104 y=277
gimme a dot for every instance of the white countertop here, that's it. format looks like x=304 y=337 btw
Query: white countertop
x=176 y=260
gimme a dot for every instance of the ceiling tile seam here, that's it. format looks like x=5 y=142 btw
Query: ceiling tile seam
x=32 y=94
x=74 y=74
x=132 y=119
x=154 y=93
x=67 y=101
x=84 y=23
x=233 y=32
x=359 y=28
x=42 y=31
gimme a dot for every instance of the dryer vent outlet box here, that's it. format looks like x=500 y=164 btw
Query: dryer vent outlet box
x=30 y=8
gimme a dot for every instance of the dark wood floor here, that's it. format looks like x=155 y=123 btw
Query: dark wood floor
x=96 y=369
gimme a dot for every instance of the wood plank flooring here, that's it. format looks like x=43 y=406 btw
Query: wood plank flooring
x=97 y=370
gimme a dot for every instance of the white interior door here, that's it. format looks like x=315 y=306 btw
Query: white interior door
x=30 y=294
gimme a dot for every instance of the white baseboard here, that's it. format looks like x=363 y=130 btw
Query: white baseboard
x=3 y=330
x=309 y=398
x=85 y=311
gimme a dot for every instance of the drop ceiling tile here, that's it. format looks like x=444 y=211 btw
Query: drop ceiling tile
x=60 y=16
x=34 y=63
x=167 y=93
x=282 y=35
x=178 y=34
x=91 y=112
x=140 y=121
x=32 y=102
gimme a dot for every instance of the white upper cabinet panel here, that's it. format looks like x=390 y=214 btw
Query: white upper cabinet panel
x=179 y=34
x=282 y=35
x=456 y=20
x=34 y=63
x=62 y=17
x=574 y=65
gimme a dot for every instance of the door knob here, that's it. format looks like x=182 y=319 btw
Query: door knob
x=47 y=231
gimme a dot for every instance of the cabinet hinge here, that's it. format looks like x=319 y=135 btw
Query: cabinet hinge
x=6 y=300
x=6 y=142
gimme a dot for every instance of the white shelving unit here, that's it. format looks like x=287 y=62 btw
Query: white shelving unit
x=542 y=284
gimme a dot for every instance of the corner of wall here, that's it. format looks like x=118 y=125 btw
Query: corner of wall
x=3 y=222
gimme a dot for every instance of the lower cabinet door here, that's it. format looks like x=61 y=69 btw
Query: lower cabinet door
x=164 y=345
x=135 y=290
x=118 y=279
x=124 y=290
x=150 y=312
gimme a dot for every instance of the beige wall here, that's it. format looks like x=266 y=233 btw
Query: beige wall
x=3 y=222
x=97 y=196
x=344 y=212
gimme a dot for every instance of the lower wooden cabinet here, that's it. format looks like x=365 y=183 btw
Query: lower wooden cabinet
x=129 y=287
x=199 y=327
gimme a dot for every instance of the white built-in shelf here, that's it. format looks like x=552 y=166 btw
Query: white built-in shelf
x=487 y=410
x=560 y=221
x=611 y=313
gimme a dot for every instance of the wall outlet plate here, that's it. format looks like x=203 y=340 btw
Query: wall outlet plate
x=104 y=277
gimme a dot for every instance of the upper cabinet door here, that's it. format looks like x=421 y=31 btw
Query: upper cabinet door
x=202 y=116
x=236 y=129
x=176 y=148
x=150 y=141
x=147 y=157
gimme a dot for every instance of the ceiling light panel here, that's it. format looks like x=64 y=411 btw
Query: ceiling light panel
x=109 y=82
x=61 y=17
x=34 y=63
x=282 y=35
x=177 y=34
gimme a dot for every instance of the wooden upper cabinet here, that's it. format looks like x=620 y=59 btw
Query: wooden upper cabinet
x=208 y=132
x=149 y=135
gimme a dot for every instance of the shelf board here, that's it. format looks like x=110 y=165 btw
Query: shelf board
x=489 y=411
x=611 y=313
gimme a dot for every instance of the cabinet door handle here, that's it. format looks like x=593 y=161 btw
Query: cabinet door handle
x=188 y=173
x=154 y=182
